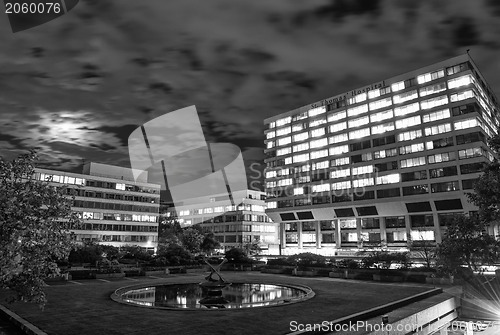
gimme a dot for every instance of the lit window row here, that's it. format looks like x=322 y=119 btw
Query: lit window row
x=408 y=122
x=317 y=111
x=362 y=169
x=284 y=140
x=409 y=135
x=357 y=98
x=318 y=143
x=434 y=102
x=432 y=89
x=437 y=129
x=355 y=134
x=338 y=138
x=320 y=165
x=337 y=116
x=468 y=94
x=321 y=188
x=319 y=154
x=284 y=151
x=466 y=123
x=411 y=162
x=357 y=110
x=65 y=179
x=442 y=157
x=424 y=78
x=317 y=122
x=408 y=149
x=342 y=185
x=301 y=147
x=460 y=81
x=406 y=109
x=285 y=182
x=405 y=96
x=388 y=179
x=382 y=128
x=385 y=153
x=341 y=173
x=363 y=182
x=437 y=115
x=471 y=152
x=358 y=122
x=380 y=116
x=382 y=103
x=318 y=132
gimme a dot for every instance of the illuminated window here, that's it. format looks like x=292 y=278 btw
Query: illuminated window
x=410 y=162
x=466 y=123
x=317 y=111
x=338 y=138
x=301 y=137
x=388 y=179
x=380 y=116
x=357 y=98
x=298 y=127
x=422 y=235
x=409 y=135
x=358 y=122
x=298 y=191
x=318 y=132
x=340 y=173
x=271 y=204
x=337 y=116
x=270 y=134
x=340 y=161
x=283 y=121
x=470 y=153
x=300 y=147
x=357 y=110
x=339 y=149
x=342 y=185
x=398 y=86
x=321 y=188
x=408 y=149
x=434 y=102
x=382 y=128
x=442 y=157
x=288 y=160
x=283 y=151
x=437 y=129
x=318 y=143
x=380 y=103
x=426 y=77
x=271 y=174
x=445 y=187
x=320 y=165
x=299 y=116
x=385 y=153
x=285 y=140
x=272 y=124
x=362 y=182
x=338 y=127
x=408 y=122
x=461 y=95
x=460 y=81
x=359 y=133
x=317 y=122
x=270 y=144
x=319 y=154
x=362 y=169
x=285 y=182
x=283 y=131
x=284 y=172
x=406 y=109
x=405 y=96
x=437 y=115
x=301 y=158
x=432 y=89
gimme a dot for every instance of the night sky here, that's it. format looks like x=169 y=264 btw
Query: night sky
x=76 y=87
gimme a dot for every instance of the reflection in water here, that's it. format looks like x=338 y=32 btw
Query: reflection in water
x=237 y=295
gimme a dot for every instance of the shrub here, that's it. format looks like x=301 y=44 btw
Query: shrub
x=348 y=264
x=237 y=255
x=307 y=259
x=278 y=261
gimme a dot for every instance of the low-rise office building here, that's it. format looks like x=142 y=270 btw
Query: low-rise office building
x=115 y=209
x=234 y=226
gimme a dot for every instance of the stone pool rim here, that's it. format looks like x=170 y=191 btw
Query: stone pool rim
x=309 y=294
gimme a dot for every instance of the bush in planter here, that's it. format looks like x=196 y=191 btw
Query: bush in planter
x=348 y=264
x=307 y=260
x=237 y=255
x=278 y=262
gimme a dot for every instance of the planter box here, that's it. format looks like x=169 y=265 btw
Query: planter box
x=387 y=278
x=305 y=273
x=154 y=272
x=58 y=278
x=109 y=275
x=274 y=271
x=333 y=274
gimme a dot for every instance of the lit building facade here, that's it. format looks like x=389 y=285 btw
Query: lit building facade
x=382 y=166
x=116 y=210
x=234 y=226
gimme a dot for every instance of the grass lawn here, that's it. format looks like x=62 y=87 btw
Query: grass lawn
x=86 y=308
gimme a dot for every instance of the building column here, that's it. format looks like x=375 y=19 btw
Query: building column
x=358 y=231
x=338 y=240
x=437 y=228
x=299 y=234
x=408 y=229
x=318 y=235
x=383 y=233
x=282 y=234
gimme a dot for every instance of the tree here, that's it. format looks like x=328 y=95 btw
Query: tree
x=209 y=243
x=467 y=243
x=424 y=250
x=34 y=229
x=191 y=240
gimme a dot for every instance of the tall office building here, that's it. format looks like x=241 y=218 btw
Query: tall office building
x=381 y=166
x=234 y=226
x=116 y=210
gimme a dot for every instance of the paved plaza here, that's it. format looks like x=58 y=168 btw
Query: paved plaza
x=85 y=307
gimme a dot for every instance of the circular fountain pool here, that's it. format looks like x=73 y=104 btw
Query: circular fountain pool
x=195 y=296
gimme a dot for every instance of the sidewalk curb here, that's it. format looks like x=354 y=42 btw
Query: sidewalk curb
x=19 y=322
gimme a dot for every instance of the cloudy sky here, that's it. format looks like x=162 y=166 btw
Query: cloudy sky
x=76 y=87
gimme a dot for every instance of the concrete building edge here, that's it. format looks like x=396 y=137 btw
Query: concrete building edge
x=372 y=312
x=20 y=323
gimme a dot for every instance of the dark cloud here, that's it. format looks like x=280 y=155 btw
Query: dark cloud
x=121 y=132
